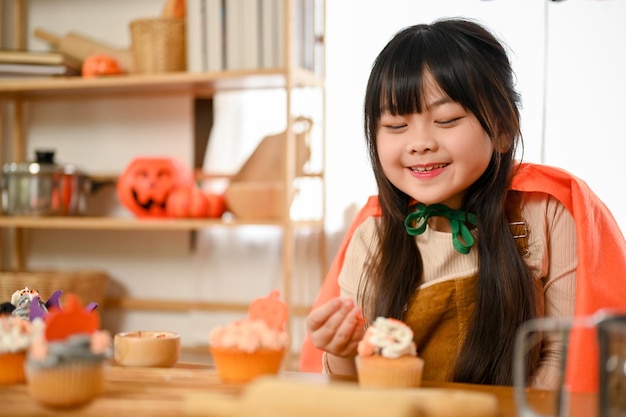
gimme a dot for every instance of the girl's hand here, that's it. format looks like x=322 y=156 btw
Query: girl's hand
x=337 y=327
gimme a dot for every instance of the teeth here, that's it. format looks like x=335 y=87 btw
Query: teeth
x=427 y=169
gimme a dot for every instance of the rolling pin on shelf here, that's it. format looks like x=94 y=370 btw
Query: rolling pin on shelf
x=81 y=47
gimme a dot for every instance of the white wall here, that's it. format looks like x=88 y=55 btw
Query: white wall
x=585 y=96
x=584 y=71
x=584 y=102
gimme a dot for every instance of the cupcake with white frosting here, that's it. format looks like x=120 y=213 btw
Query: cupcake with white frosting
x=16 y=336
x=387 y=356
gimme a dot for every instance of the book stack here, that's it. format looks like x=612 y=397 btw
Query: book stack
x=18 y=64
x=224 y=35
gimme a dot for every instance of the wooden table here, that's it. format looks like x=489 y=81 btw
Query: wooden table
x=161 y=392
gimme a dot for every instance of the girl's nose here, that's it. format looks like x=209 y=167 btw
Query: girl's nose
x=421 y=142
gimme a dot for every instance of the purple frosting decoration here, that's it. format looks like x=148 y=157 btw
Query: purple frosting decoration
x=54 y=300
x=36 y=310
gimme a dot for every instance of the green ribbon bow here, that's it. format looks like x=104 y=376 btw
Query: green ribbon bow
x=458 y=220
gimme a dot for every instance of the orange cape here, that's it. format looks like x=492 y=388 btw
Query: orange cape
x=600 y=277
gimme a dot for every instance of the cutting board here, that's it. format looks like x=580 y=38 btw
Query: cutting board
x=280 y=397
x=81 y=47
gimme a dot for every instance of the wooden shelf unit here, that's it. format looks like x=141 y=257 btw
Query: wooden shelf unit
x=16 y=92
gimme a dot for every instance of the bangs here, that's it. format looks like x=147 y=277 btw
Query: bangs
x=402 y=73
x=402 y=88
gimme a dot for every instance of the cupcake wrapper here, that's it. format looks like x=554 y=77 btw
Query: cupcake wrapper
x=67 y=385
x=379 y=372
x=235 y=366
x=12 y=368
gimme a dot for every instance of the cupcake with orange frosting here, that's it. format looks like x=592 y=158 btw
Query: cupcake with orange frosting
x=254 y=346
x=387 y=356
x=16 y=335
x=65 y=362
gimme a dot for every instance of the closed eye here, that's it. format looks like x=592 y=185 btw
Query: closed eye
x=449 y=122
x=395 y=127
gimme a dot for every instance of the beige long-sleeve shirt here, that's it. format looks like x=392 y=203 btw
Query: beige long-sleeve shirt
x=552 y=259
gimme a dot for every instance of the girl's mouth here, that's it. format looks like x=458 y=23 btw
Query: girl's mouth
x=428 y=168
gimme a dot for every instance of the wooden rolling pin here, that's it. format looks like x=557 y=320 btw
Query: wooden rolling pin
x=81 y=47
x=274 y=397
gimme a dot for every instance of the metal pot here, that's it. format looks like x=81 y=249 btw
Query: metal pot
x=43 y=188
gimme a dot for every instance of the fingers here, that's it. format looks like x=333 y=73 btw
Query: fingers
x=319 y=316
x=348 y=334
x=336 y=326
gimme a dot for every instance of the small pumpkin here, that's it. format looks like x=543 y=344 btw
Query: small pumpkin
x=187 y=202
x=217 y=205
x=146 y=183
x=100 y=64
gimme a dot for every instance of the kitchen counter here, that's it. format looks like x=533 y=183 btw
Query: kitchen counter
x=166 y=392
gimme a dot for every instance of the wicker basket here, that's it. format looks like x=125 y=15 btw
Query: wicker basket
x=88 y=285
x=158 y=45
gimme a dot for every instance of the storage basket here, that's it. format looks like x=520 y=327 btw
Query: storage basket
x=158 y=45
x=88 y=285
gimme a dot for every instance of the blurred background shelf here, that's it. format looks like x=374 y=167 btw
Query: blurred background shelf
x=198 y=84
x=113 y=223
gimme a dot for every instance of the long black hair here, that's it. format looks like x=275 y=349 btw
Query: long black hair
x=472 y=67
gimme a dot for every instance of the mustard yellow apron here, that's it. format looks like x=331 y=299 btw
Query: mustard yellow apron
x=439 y=315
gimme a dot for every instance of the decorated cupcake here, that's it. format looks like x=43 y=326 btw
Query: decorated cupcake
x=29 y=305
x=387 y=356
x=254 y=346
x=64 y=366
x=16 y=336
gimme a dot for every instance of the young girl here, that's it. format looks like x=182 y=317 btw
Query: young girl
x=462 y=242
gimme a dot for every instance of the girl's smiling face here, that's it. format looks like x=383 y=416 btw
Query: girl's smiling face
x=435 y=155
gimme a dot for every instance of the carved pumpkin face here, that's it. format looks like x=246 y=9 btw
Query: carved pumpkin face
x=146 y=183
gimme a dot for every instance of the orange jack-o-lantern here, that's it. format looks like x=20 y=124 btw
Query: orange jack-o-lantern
x=146 y=183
